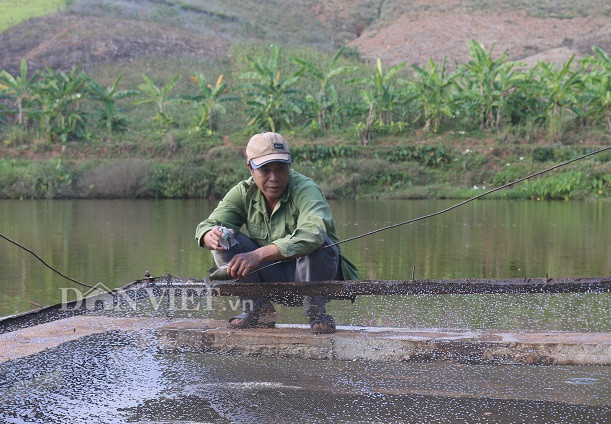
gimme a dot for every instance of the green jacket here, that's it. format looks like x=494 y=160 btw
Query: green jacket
x=300 y=222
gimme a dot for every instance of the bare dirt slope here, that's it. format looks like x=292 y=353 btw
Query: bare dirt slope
x=93 y=32
x=393 y=30
x=414 y=37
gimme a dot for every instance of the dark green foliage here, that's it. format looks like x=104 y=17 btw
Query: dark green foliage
x=509 y=173
x=601 y=183
x=296 y=93
x=60 y=95
x=432 y=156
x=270 y=95
x=108 y=113
x=16 y=179
x=54 y=179
x=210 y=178
x=306 y=95
x=543 y=154
x=319 y=152
x=558 y=187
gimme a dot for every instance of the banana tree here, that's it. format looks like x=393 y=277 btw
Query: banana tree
x=19 y=88
x=486 y=84
x=110 y=113
x=380 y=97
x=268 y=93
x=596 y=96
x=326 y=99
x=560 y=87
x=207 y=102
x=433 y=90
x=60 y=95
x=159 y=96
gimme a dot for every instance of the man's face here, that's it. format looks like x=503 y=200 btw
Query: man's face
x=272 y=179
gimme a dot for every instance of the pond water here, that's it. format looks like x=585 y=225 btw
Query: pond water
x=115 y=242
x=118 y=377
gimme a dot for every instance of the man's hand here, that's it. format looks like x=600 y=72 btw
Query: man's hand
x=212 y=239
x=243 y=263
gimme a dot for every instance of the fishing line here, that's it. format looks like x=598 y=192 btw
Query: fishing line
x=44 y=263
x=468 y=200
x=410 y=221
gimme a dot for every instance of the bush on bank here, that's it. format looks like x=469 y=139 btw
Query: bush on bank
x=342 y=171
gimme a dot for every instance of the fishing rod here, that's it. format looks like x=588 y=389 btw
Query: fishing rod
x=464 y=202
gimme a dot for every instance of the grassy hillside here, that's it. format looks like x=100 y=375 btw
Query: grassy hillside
x=16 y=11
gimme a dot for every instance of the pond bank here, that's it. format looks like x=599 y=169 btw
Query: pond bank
x=400 y=169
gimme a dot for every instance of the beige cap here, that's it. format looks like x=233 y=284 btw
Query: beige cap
x=267 y=147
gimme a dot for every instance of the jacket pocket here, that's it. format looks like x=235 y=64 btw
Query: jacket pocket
x=258 y=234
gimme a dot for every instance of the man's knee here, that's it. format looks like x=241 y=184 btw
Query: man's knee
x=320 y=265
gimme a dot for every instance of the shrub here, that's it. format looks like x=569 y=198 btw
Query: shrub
x=16 y=179
x=559 y=187
x=543 y=154
x=54 y=179
x=431 y=156
x=319 y=152
x=509 y=174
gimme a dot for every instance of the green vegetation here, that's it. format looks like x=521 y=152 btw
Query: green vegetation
x=279 y=93
x=342 y=170
x=16 y=11
x=312 y=97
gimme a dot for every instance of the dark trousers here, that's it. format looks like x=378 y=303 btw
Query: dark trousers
x=320 y=265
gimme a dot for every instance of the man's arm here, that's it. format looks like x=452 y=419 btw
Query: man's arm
x=229 y=213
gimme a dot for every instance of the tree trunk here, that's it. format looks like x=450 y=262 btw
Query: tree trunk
x=370 y=119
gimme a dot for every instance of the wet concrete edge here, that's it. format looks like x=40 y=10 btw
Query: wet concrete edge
x=347 y=344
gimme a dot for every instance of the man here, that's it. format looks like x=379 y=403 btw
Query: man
x=288 y=219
